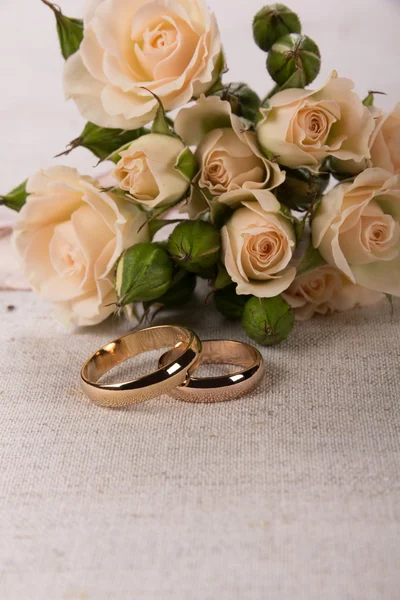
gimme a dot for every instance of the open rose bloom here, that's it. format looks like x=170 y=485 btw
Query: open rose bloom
x=232 y=167
x=68 y=238
x=258 y=244
x=302 y=127
x=133 y=47
x=326 y=290
x=241 y=179
x=147 y=170
x=357 y=230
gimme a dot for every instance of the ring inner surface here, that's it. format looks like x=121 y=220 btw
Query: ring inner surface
x=132 y=345
x=226 y=352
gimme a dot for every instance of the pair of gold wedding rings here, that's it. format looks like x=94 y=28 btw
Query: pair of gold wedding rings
x=175 y=374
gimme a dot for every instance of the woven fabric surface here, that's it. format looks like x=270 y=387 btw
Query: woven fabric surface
x=292 y=492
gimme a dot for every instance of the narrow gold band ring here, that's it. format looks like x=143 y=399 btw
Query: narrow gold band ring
x=186 y=352
x=225 y=387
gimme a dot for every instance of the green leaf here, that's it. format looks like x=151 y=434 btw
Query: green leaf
x=311 y=260
x=104 y=142
x=16 y=198
x=223 y=278
x=186 y=164
x=70 y=31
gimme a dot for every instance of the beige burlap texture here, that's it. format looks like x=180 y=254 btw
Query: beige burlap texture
x=290 y=493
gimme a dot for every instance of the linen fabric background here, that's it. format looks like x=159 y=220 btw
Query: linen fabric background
x=292 y=492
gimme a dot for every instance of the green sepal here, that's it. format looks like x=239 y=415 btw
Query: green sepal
x=186 y=164
x=369 y=100
x=69 y=30
x=311 y=260
x=223 y=278
x=104 y=142
x=161 y=121
x=16 y=198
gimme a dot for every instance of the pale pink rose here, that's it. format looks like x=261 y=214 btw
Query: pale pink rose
x=357 y=229
x=326 y=290
x=170 y=47
x=257 y=247
x=11 y=277
x=147 y=170
x=68 y=237
x=232 y=166
x=302 y=127
x=385 y=148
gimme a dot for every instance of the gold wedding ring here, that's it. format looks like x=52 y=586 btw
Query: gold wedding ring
x=186 y=353
x=225 y=387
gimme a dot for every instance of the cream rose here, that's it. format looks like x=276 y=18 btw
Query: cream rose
x=326 y=290
x=68 y=237
x=170 y=47
x=385 y=148
x=147 y=170
x=232 y=166
x=257 y=247
x=301 y=127
x=357 y=230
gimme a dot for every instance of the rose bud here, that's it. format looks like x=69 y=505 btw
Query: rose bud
x=151 y=171
x=181 y=290
x=244 y=101
x=144 y=273
x=301 y=187
x=195 y=246
x=294 y=61
x=268 y=321
x=273 y=22
x=229 y=303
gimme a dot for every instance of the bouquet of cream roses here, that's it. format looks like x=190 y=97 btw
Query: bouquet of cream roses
x=243 y=180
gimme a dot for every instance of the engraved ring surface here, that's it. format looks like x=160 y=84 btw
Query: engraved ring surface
x=224 y=387
x=186 y=352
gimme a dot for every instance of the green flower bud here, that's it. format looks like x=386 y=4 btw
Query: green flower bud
x=195 y=246
x=301 y=187
x=144 y=273
x=229 y=303
x=181 y=290
x=294 y=61
x=273 y=22
x=268 y=321
x=244 y=101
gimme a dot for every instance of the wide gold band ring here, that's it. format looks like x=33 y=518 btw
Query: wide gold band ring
x=186 y=352
x=225 y=387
